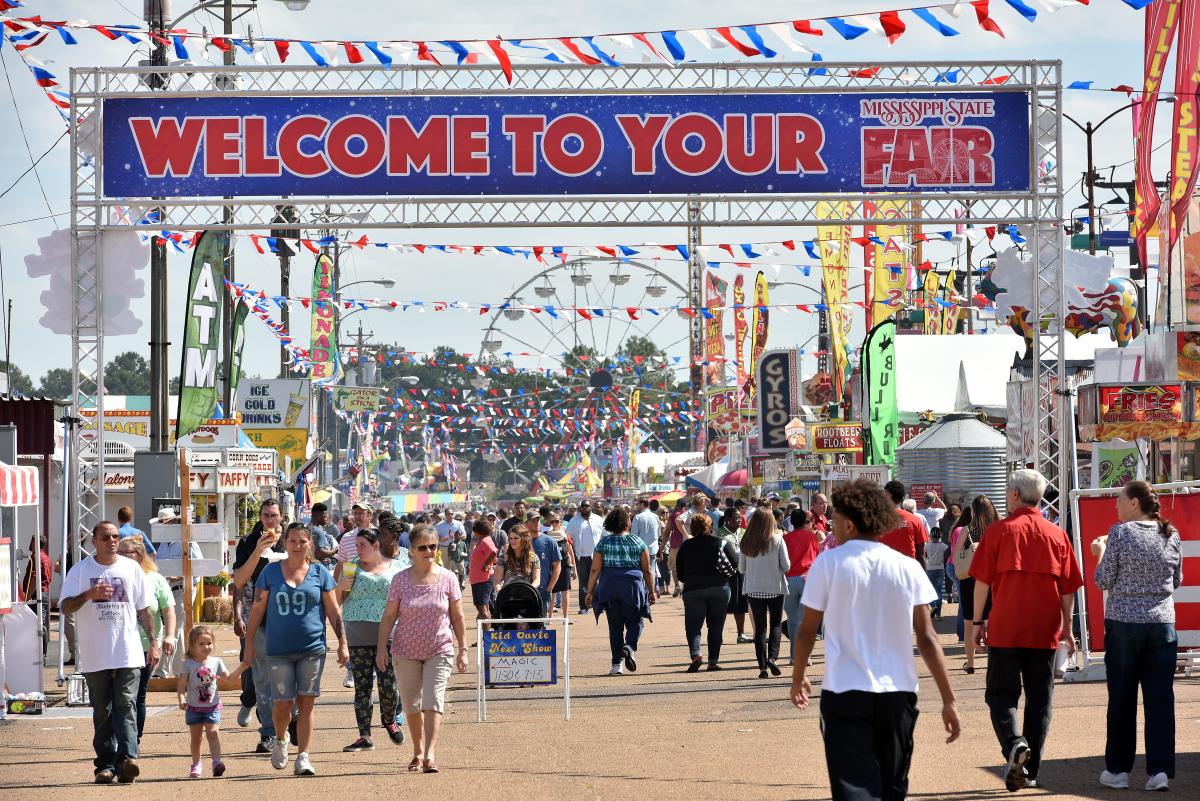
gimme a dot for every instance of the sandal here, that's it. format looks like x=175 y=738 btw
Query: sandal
x=415 y=765
x=430 y=766
x=968 y=669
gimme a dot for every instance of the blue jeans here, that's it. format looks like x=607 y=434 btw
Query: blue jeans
x=792 y=608
x=114 y=715
x=938 y=579
x=1140 y=653
x=705 y=606
x=958 y=618
x=624 y=628
x=263 y=702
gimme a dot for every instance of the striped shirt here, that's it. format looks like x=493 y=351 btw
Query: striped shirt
x=621 y=550
x=348 y=546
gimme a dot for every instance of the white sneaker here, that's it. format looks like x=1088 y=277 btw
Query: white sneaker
x=1157 y=782
x=1117 y=781
x=243 y=716
x=279 y=753
x=617 y=670
x=303 y=765
x=348 y=682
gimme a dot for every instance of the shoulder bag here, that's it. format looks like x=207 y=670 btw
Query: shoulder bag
x=724 y=566
x=964 y=553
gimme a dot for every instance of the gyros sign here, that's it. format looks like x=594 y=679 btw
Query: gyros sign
x=768 y=143
x=778 y=395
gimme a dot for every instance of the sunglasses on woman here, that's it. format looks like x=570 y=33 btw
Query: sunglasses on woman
x=429 y=548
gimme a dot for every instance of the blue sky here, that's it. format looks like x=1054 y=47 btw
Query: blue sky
x=1101 y=43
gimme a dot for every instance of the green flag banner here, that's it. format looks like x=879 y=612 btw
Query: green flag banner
x=880 y=407
x=199 y=390
x=240 y=312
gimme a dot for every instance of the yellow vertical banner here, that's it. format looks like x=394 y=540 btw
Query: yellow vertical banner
x=933 y=318
x=758 y=333
x=950 y=313
x=890 y=262
x=714 y=328
x=635 y=402
x=834 y=241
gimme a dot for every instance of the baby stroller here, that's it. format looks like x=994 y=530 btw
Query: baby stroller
x=519 y=599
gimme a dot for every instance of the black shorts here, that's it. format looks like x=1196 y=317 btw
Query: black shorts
x=482 y=593
x=564 y=579
x=967 y=600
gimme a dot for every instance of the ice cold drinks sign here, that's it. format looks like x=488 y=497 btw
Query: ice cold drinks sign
x=375 y=145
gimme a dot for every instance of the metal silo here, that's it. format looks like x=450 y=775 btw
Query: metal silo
x=963 y=454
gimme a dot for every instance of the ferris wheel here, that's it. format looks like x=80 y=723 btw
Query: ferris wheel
x=582 y=349
x=558 y=339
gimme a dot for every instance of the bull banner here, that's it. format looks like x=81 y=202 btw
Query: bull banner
x=1162 y=19
x=374 y=145
x=835 y=271
x=714 y=328
x=198 y=387
x=740 y=326
x=888 y=263
x=758 y=341
x=880 y=406
x=951 y=312
x=326 y=363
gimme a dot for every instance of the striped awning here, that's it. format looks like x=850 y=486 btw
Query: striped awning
x=18 y=485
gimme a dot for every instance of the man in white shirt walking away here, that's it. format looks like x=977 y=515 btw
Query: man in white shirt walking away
x=871 y=599
x=646 y=527
x=110 y=598
x=585 y=530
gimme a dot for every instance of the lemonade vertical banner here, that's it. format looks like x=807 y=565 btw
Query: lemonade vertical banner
x=326 y=365
x=835 y=270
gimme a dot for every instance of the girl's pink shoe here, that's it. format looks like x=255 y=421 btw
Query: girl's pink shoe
x=195 y=772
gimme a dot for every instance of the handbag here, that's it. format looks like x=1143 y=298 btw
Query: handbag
x=964 y=553
x=724 y=566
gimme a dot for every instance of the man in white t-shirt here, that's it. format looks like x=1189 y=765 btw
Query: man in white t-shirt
x=932 y=513
x=446 y=530
x=871 y=599
x=110 y=598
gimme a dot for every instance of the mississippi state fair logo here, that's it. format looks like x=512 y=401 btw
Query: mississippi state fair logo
x=906 y=153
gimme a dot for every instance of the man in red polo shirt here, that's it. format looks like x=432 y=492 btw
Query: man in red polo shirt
x=911 y=537
x=1030 y=568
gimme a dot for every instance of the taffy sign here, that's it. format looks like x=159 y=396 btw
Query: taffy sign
x=374 y=145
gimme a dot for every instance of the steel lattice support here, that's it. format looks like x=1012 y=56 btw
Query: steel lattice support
x=88 y=218
x=1039 y=211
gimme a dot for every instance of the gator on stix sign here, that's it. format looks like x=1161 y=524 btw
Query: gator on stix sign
x=598 y=144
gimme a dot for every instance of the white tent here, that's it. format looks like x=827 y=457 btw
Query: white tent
x=928 y=369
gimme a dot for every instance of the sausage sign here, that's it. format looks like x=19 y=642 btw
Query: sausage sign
x=375 y=145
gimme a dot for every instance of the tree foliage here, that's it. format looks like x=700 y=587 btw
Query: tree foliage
x=56 y=383
x=17 y=380
x=127 y=374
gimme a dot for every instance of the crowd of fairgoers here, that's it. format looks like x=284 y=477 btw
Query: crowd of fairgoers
x=863 y=569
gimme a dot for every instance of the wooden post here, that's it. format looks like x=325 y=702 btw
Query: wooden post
x=185 y=521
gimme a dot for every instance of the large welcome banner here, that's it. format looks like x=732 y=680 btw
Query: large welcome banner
x=377 y=145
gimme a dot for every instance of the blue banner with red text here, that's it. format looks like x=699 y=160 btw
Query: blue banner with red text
x=785 y=143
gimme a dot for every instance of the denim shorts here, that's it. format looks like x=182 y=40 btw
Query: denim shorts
x=296 y=674
x=193 y=717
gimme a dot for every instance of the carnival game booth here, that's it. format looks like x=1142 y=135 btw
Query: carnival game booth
x=21 y=676
x=413 y=502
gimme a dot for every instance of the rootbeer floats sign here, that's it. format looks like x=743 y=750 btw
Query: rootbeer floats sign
x=786 y=142
x=520 y=657
x=778 y=398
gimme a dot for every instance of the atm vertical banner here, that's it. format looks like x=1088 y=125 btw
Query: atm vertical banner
x=198 y=388
x=714 y=328
x=740 y=326
x=835 y=266
x=326 y=364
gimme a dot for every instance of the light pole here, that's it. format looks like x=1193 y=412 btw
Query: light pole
x=1088 y=131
